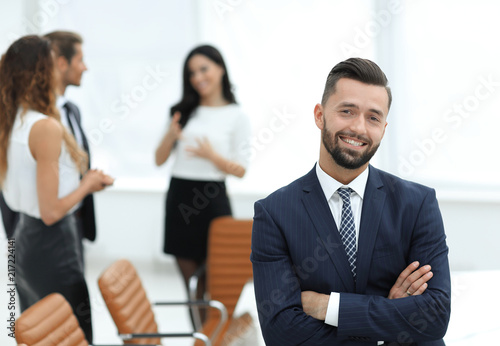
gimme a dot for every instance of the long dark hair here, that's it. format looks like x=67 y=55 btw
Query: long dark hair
x=190 y=98
x=27 y=81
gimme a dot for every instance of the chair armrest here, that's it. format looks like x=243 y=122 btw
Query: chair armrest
x=196 y=335
x=211 y=303
x=192 y=290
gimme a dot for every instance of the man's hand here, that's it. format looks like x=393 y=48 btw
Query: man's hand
x=411 y=281
x=315 y=304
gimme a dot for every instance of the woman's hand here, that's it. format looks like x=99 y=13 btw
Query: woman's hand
x=173 y=133
x=45 y=143
x=175 y=129
x=95 y=180
x=203 y=150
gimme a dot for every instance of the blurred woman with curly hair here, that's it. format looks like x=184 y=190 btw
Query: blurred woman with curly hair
x=40 y=169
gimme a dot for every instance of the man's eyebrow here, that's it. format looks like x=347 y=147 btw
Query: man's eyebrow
x=376 y=111
x=353 y=105
x=348 y=104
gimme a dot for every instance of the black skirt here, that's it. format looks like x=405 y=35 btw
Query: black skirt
x=190 y=207
x=48 y=260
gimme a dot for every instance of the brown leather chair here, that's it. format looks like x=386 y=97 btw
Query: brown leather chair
x=131 y=310
x=49 y=322
x=228 y=269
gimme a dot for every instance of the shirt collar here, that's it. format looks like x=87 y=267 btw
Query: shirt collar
x=329 y=185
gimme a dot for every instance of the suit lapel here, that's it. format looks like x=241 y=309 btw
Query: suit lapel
x=373 y=204
x=73 y=112
x=317 y=207
x=77 y=116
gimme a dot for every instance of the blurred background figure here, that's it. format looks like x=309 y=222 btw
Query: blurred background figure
x=207 y=131
x=69 y=66
x=40 y=169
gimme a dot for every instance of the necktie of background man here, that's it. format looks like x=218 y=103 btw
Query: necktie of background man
x=88 y=228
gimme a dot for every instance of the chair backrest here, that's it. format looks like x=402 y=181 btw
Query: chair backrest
x=49 y=322
x=228 y=260
x=127 y=302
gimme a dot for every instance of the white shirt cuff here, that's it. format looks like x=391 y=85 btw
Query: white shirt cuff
x=332 y=312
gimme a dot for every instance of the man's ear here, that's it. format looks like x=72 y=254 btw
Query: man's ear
x=61 y=63
x=319 y=116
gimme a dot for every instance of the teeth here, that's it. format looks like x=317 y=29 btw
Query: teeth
x=352 y=142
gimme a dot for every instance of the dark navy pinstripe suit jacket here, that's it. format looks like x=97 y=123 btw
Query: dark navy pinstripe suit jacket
x=296 y=247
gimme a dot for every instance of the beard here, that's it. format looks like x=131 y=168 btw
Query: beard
x=347 y=158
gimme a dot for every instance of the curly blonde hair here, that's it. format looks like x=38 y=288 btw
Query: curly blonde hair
x=27 y=81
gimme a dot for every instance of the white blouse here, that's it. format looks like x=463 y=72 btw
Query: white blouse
x=228 y=130
x=19 y=187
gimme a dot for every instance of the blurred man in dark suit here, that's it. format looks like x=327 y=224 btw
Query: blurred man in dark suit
x=70 y=66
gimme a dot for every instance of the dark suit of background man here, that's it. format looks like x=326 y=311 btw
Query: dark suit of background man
x=309 y=291
x=69 y=68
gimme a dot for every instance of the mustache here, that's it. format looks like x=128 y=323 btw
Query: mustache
x=352 y=135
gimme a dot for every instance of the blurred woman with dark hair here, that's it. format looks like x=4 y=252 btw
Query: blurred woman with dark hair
x=40 y=169
x=207 y=132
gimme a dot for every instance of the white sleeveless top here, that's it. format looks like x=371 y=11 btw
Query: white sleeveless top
x=19 y=188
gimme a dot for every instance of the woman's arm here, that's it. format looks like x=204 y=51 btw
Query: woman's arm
x=167 y=143
x=45 y=142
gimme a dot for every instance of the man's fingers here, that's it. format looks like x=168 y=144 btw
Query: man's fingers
x=416 y=275
x=405 y=273
x=419 y=286
x=420 y=290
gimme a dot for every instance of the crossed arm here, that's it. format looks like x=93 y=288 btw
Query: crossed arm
x=411 y=282
x=287 y=307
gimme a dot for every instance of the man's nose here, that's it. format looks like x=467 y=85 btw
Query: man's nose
x=358 y=125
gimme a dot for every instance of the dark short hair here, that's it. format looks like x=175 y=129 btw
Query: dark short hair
x=63 y=43
x=362 y=70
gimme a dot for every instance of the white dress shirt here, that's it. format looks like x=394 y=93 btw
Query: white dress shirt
x=330 y=187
